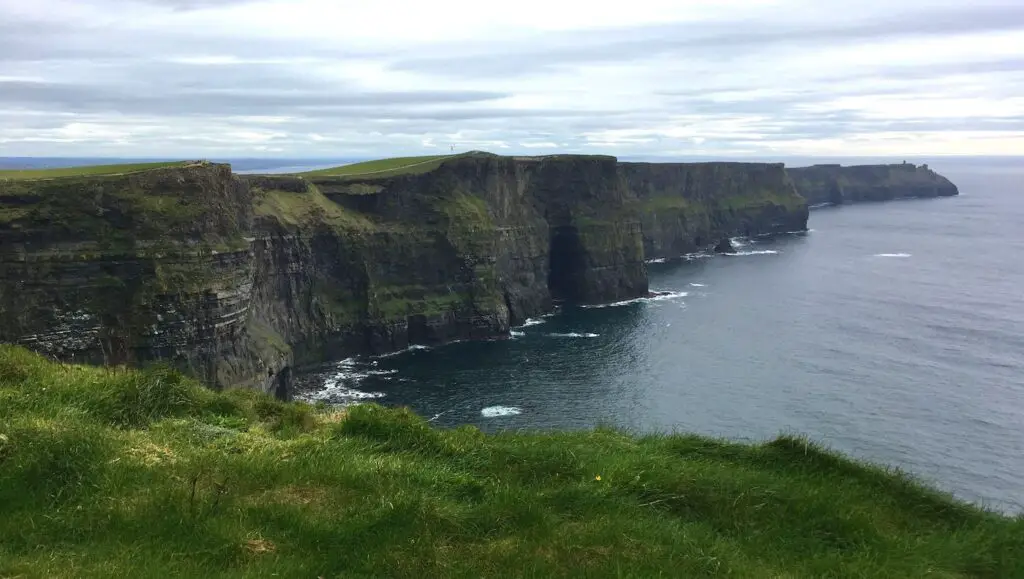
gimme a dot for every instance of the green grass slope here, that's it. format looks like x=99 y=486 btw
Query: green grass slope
x=121 y=473
x=384 y=167
x=308 y=209
x=18 y=174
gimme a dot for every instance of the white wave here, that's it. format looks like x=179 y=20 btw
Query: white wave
x=701 y=255
x=516 y=334
x=349 y=370
x=892 y=255
x=339 y=394
x=342 y=385
x=438 y=415
x=757 y=252
x=697 y=285
x=795 y=232
x=656 y=260
x=738 y=241
x=574 y=335
x=411 y=348
x=533 y=322
x=659 y=296
x=665 y=295
x=497 y=411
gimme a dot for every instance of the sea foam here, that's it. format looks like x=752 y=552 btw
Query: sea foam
x=340 y=388
x=498 y=411
x=757 y=252
x=656 y=297
x=411 y=348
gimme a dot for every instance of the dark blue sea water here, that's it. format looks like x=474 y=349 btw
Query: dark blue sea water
x=893 y=331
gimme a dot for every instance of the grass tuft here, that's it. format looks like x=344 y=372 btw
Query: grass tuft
x=137 y=398
x=309 y=209
x=394 y=430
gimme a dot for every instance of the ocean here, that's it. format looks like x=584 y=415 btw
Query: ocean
x=893 y=332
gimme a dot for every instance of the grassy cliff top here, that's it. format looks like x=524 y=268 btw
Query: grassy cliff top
x=121 y=473
x=892 y=173
x=118 y=206
x=384 y=167
x=85 y=171
x=398 y=166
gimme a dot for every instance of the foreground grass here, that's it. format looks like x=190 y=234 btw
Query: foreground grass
x=18 y=174
x=115 y=473
x=384 y=167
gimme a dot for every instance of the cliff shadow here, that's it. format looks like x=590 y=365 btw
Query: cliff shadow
x=567 y=265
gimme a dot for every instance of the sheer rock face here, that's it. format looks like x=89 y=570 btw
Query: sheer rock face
x=237 y=279
x=836 y=185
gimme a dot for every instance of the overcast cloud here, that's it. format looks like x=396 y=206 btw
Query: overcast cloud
x=322 y=78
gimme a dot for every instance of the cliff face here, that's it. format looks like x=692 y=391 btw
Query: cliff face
x=834 y=184
x=132 y=268
x=236 y=279
x=686 y=207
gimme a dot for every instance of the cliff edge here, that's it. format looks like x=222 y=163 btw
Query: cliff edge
x=236 y=279
x=836 y=185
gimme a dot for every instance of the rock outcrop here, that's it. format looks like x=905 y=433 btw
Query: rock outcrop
x=836 y=185
x=237 y=279
x=725 y=246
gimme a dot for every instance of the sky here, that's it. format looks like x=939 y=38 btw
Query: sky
x=331 y=78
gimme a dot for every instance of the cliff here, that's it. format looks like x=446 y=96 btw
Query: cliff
x=236 y=279
x=151 y=265
x=835 y=184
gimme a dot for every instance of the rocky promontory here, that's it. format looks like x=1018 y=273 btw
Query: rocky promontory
x=236 y=279
x=837 y=185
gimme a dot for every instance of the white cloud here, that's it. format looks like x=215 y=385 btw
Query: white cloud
x=193 y=78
